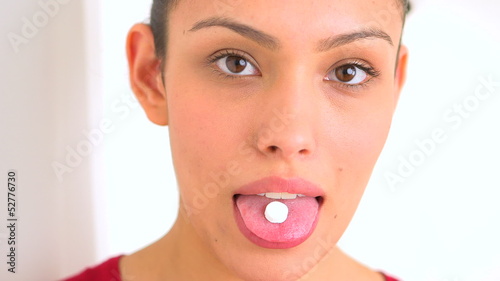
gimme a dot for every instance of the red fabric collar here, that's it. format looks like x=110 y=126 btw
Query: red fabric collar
x=106 y=271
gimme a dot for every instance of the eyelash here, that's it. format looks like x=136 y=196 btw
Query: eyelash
x=371 y=71
x=227 y=53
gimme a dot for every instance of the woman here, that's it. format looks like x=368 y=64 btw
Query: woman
x=277 y=112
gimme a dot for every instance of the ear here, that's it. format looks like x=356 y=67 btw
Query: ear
x=400 y=75
x=145 y=74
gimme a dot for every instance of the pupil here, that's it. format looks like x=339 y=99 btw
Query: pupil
x=236 y=64
x=346 y=73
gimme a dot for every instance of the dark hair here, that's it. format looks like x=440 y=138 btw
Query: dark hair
x=159 y=22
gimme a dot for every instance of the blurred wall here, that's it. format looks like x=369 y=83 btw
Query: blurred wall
x=49 y=101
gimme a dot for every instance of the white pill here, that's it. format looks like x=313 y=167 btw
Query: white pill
x=276 y=212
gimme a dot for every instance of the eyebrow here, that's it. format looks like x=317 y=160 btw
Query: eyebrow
x=344 y=39
x=273 y=43
x=260 y=37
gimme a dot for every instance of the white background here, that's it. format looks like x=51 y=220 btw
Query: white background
x=441 y=224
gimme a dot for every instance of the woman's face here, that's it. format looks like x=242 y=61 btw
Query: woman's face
x=293 y=90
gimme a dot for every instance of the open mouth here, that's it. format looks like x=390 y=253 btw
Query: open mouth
x=285 y=225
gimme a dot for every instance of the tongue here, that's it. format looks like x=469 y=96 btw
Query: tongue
x=302 y=213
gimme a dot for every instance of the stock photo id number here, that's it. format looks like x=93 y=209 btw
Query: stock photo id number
x=12 y=220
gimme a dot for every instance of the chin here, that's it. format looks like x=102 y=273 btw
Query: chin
x=252 y=263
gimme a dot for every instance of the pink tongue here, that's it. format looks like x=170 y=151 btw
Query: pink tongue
x=302 y=213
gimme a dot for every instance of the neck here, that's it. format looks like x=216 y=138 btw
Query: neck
x=193 y=260
x=179 y=255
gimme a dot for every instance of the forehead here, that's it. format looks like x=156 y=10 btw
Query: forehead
x=287 y=19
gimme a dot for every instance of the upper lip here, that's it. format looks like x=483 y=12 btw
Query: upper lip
x=279 y=184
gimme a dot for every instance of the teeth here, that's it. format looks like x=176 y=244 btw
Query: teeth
x=285 y=195
x=281 y=195
x=273 y=195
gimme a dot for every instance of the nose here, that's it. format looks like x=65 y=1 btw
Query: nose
x=288 y=127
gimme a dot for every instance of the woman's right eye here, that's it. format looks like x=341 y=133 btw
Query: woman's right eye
x=236 y=65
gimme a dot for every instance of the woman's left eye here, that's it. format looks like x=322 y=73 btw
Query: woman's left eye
x=351 y=74
x=236 y=65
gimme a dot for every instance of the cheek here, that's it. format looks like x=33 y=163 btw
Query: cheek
x=360 y=150
x=369 y=125
x=203 y=141
x=202 y=133
x=368 y=136
x=355 y=146
x=358 y=132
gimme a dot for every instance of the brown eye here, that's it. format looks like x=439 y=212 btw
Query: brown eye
x=348 y=74
x=236 y=65
x=345 y=73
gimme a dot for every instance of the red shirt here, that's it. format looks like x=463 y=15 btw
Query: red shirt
x=106 y=271
x=389 y=278
x=109 y=271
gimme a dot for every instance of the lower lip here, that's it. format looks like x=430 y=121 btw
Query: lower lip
x=268 y=244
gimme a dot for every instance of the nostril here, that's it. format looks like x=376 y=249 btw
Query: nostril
x=273 y=148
